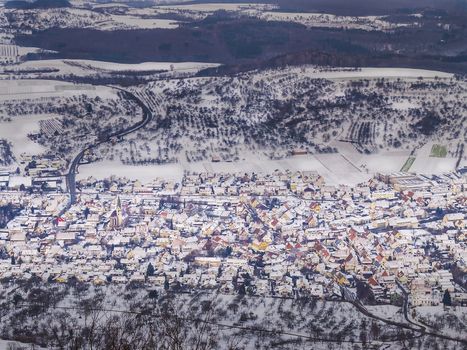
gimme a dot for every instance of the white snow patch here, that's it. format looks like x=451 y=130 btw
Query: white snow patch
x=17 y=132
x=369 y=72
x=214 y=7
x=145 y=23
x=340 y=172
x=144 y=173
x=7 y=344
x=432 y=165
x=86 y=67
x=404 y=105
x=28 y=89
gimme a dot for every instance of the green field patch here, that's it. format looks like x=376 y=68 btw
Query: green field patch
x=408 y=163
x=438 y=151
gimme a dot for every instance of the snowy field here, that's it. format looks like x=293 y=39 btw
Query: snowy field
x=214 y=7
x=24 y=50
x=346 y=167
x=431 y=165
x=17 y=132
x=393 y=161
x=404 y=105
x=86 y=67
x=363 y=73
x=334 y=168
x=386 y=162
x=322 y=20
x=105 y=169
x=267 y=12
x=10 y=345
x=389 y=312
x=447 y=320
x=99 y=6
x=341 y=171
x=143 y=23
x=29 y=89
x=179 y=66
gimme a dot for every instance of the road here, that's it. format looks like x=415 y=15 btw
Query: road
x=73 y=169
x=405 y=307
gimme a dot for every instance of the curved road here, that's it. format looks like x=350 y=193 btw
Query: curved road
x=73 y=169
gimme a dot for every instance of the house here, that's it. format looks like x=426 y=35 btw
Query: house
x=207 y=261
x=375 y=287
x=454 y=219
x=66 y=237
x=17 y=182
x=423 y=296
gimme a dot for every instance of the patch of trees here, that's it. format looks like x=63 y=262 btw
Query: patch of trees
x=8 y=213
x=6 y=154
x=428 y=123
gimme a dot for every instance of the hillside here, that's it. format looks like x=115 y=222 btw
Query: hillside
x=275 y=112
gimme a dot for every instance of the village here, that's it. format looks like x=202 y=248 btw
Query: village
x=282 y=234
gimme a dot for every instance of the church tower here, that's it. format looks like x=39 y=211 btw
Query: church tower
x=116 y=217
x=118 y=211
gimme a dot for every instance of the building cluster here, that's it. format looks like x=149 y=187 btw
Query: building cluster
x=282 y=234
x=40 y=173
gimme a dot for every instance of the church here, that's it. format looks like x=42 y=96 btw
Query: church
x=116 y=219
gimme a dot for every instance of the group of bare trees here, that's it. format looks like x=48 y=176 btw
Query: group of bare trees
x=78 y=316
x=275 y=112
x=93 y=325
x=83 y=118
x=6 y=155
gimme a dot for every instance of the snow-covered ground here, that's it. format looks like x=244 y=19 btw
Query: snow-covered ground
x=403 y=105
x=389 y=312
x=212 y=7
x=364 y=73
x=86 y=67
x=16 y=123
x=17 y=132
x=449 y=321
x=29 y=89
x=333 y=167
x=346 y=167
x=339 y=172
x=322 y=20
x=393 y=161
x=431 y=165
x=385 y=162
x=9 y=345
x=181 y=66
x=142 y=23
x=105 y=169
